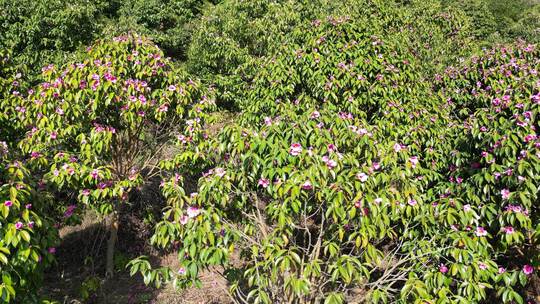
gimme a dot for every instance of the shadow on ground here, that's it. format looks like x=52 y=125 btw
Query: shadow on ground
x=81 y=255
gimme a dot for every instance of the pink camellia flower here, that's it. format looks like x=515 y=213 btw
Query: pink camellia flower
x=362 y=177
x=184 y=219
x=357 y=204
x=376 y=166
x=181 y=271
x=331 y=148
x=52 y=250
x=94 y=174
x=86 y=192
x=163 y=108
x=502 y=270
x=172 y=88
x=482 y=266
x=8 y=203
x=480 y=231
x=295 y=149
x=397 y=147
x=331 y=164
x=219 y=172
x=412 y=202
x=307 y=185
x=505 y=194
x=53 y=135
x=528 y=269
x=508 y=229
x=443 y=268
x=31 y=224
x=193 y=211
x=69 y=211
x=414 y=161
x=18 y=225
x=263 y=182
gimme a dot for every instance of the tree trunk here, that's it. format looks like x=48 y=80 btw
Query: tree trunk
x=113 y=229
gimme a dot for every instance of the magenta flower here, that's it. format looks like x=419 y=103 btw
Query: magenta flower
x=94 y=174
x=28 y=206
x=18 y=225
x=412 y=202
x=332 y=148
x=307 y=185
x=376 y=166
x=181 y=271
x=362 y=177
x=263 y=182
x=480 y=231
x=528 y=269
x=331 y=164
x=295 y=149
x=509 y=230
x=482 y=266
x=219 y=172
x=505 y=193
x=184 y=219
x=69 y=211
x=502 y=270
x=397 y=147
x=52 y=250
x=414 y=161
x=193 y=211
x=315 y=115
x=8 y=203
x=443 y=268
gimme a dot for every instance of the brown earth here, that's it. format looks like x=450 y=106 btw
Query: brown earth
x=80 y=256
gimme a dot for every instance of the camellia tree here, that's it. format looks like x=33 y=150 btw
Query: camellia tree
x=495 y=168
x=324 y=187
x=27 y=212
x=96 y=127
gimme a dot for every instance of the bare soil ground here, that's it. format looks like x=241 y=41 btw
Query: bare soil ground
x=80 y=257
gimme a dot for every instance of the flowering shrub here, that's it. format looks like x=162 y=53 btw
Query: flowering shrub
x=26 y=216
x=494 y=171
x=347 y=177
x=324 y=188
x=28 y=235
x=95 y=128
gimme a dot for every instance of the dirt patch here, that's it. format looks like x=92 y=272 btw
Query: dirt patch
x=80 y=259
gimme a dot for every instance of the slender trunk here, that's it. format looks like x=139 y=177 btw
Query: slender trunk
x=113 y=229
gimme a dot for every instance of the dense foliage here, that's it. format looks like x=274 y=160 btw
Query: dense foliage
x=381 y=151
x=336 y=184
